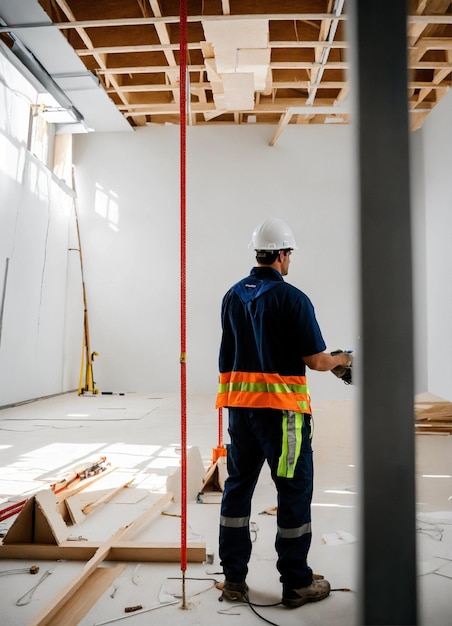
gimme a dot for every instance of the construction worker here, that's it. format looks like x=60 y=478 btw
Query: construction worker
x=269 y=335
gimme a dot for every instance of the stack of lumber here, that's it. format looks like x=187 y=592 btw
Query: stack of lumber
x=433 y=418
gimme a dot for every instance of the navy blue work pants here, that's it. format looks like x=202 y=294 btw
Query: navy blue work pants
x=256 y=436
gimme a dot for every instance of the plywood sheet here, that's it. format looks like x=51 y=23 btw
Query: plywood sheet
x=237 y=34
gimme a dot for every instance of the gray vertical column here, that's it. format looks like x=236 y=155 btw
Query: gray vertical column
x=388 y=537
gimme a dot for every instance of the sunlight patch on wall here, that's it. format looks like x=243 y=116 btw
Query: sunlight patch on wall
x=106 y=205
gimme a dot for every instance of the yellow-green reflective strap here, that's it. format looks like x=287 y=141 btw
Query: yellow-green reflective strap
x=261 y=387
x=292 y=424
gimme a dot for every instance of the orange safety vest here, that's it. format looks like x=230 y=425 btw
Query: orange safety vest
x=263 y=390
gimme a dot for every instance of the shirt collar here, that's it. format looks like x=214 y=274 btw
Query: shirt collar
x=266 y=272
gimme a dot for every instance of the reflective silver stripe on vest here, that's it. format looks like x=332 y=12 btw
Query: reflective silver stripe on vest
x=293 y=533
x=234 y=522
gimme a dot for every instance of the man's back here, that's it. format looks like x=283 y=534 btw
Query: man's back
x=268 y=326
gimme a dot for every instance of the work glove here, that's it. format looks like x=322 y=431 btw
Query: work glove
x=344 y=372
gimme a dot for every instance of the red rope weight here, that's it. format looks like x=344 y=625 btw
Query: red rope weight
x=220 y=427
x=183 y=296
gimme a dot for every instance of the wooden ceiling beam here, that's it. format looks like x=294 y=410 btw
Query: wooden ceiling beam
x=301 y=84
x=326 y=105
x=343 y=65
x=164 y=36
x=210 y=108
x=431 y=65
x=277 y=65
x=342 y=95
x=415 y=29
x=226 y=7
x=148 y=69
x=174 y=19
x=90 y=50
x=307 y=65
x=285 y=119
x=439 y=83
x=435 y=43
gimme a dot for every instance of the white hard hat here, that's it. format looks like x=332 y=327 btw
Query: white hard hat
x=272 y=234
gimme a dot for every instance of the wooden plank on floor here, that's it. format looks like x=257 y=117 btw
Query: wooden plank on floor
x=162 y=552
x=89 y=593
x=49 y=612
x=143 y=551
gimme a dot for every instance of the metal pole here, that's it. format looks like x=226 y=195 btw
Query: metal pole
x=388 y=537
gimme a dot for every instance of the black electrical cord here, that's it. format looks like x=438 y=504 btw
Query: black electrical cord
x=264 y=619
x=252 y=605
x=247 y=601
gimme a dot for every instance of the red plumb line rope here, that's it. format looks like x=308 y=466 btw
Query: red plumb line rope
x=183 y=296
x=220 y=427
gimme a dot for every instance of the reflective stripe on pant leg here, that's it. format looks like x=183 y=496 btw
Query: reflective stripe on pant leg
x=294 y=533
x=292 y=424
x=234 y=522
x=235 y=547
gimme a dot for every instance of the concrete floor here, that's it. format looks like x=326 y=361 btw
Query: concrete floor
x=140 y=435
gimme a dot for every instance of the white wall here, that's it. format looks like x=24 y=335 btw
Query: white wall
x=36 y=341
x=130 y=241
x=437 y=137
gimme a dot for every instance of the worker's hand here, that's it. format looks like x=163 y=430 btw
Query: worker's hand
x=344 y=372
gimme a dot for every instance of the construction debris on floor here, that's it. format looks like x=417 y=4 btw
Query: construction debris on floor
x=433 y=418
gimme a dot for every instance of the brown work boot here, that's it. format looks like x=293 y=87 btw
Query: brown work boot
x=317 y=590
x=234 y=592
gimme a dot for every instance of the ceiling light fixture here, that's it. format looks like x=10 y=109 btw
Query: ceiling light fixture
x=38 y=71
